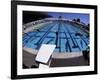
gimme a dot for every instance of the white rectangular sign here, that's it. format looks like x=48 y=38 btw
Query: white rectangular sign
x=45 y=52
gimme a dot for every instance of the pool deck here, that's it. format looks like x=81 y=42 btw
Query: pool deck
x=57 y=59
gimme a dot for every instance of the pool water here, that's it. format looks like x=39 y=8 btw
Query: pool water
x=66 y=36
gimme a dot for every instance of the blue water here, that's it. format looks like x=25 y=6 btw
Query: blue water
x=62 y=34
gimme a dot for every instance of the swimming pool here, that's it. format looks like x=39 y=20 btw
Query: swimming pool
x=67 y=36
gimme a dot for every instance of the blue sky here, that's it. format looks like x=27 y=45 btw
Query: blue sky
x=83 y=17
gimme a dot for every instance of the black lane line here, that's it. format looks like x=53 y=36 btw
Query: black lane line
x=74 y=45
x=43 y=37
x=50 y=41
x=59 y=27
x=84 y=41
x=67 y=45
x=58 y=37
x=57 y=41
x=77 y=44
x=81 y=43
